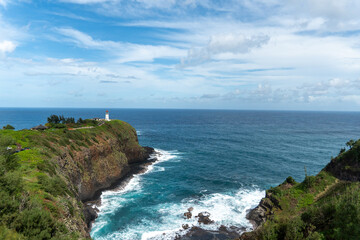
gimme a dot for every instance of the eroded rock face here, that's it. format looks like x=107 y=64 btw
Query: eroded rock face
x=258 y=215
x=100 y=161
x=99 y=166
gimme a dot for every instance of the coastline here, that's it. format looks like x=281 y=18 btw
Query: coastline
x=91 y=205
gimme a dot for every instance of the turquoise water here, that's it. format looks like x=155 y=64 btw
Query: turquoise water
x=218 y=161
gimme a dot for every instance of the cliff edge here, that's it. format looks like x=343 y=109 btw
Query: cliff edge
x=46 y=176
x=325 y=206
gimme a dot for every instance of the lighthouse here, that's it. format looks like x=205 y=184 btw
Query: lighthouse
x=107 y=116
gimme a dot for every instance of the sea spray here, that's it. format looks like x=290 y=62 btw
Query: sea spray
x=114 y=199
x=227 y=209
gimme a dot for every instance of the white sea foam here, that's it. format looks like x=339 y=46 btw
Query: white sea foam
x=139 y=133
x=225 y=209
x=111 y=199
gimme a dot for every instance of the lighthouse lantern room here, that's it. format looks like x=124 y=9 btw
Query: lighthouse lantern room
x=107 y=116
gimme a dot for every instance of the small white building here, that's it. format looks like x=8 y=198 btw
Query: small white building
x=107 y=118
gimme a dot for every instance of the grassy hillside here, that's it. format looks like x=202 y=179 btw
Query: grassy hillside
x=325 y=206
x=42 y=174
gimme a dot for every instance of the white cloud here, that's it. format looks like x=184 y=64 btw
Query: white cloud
x=331 y=9
x=352 y=99
x=85 y=1
x=7 y=46
x=84 y=40
x=125 y=52
x=3 y=2
x=229 y=43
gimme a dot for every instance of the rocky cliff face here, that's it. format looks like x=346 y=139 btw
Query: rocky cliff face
x=57 y=170
x=98 y=166
x=108 y=157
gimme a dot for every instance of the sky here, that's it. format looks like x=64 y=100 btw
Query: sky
x=201 y=54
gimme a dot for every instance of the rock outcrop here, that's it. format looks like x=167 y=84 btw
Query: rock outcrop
x=110 y=156
x=59 y=169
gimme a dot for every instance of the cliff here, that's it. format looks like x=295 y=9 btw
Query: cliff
x=325 y=206
x=46 y=176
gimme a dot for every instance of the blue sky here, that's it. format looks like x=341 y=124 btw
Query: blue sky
x=235 y=54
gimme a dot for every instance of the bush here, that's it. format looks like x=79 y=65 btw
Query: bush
x=55 y=186
x=8 y=127
x=36 y=224
x=9 y=234
x=290 y=180
x=309 y=182
x=12 y=183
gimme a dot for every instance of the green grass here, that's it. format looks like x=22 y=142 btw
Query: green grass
x=35 y=195
x=320 y=207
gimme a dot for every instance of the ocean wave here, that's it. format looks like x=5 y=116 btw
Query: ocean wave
x=112 y=200
x=225 y=209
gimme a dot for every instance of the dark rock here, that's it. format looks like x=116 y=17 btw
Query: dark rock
x=263 y=211
x=188 y=214
x=197 y=233
x=90 y=214
x=185 y=226
x=204 y=217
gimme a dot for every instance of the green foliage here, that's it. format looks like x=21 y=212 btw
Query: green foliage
x=308 y=182
x=47 y=166
x=8 y=127
x=342 y=150
x=35 y=198
x=53 y=119
x=339 y=215
x=6 y=141
x=36 y=224
x=350 y=143
x=8 y=234
x=12 y=183
x=290 y=180
x=55 y=186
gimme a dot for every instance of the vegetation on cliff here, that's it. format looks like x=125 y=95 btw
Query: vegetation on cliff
x=325 y=206
x=45 y=175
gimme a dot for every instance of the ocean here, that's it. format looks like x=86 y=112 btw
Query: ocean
x=219 y=161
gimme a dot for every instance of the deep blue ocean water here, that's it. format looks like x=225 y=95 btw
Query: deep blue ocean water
x=214 y=160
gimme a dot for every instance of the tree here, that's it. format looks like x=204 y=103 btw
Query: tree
x=342 y=150
x=53 y=119
x=350 y=143
x=80 y=121
x=8 y=127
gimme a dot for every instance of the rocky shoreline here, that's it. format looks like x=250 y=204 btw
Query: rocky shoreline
x=199 y=232
x=91 y=205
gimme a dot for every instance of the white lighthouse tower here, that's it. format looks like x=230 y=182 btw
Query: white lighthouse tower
x=107 y=116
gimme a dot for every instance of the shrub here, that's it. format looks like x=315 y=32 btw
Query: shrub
x=12 y=183
x=290 y=180
x=9 y=234
x=342 y=150
x=55 y=186
x=309 y=182
x=36 y=224
x=8 y=127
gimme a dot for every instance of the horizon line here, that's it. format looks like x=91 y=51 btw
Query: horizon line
x=199 y=109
